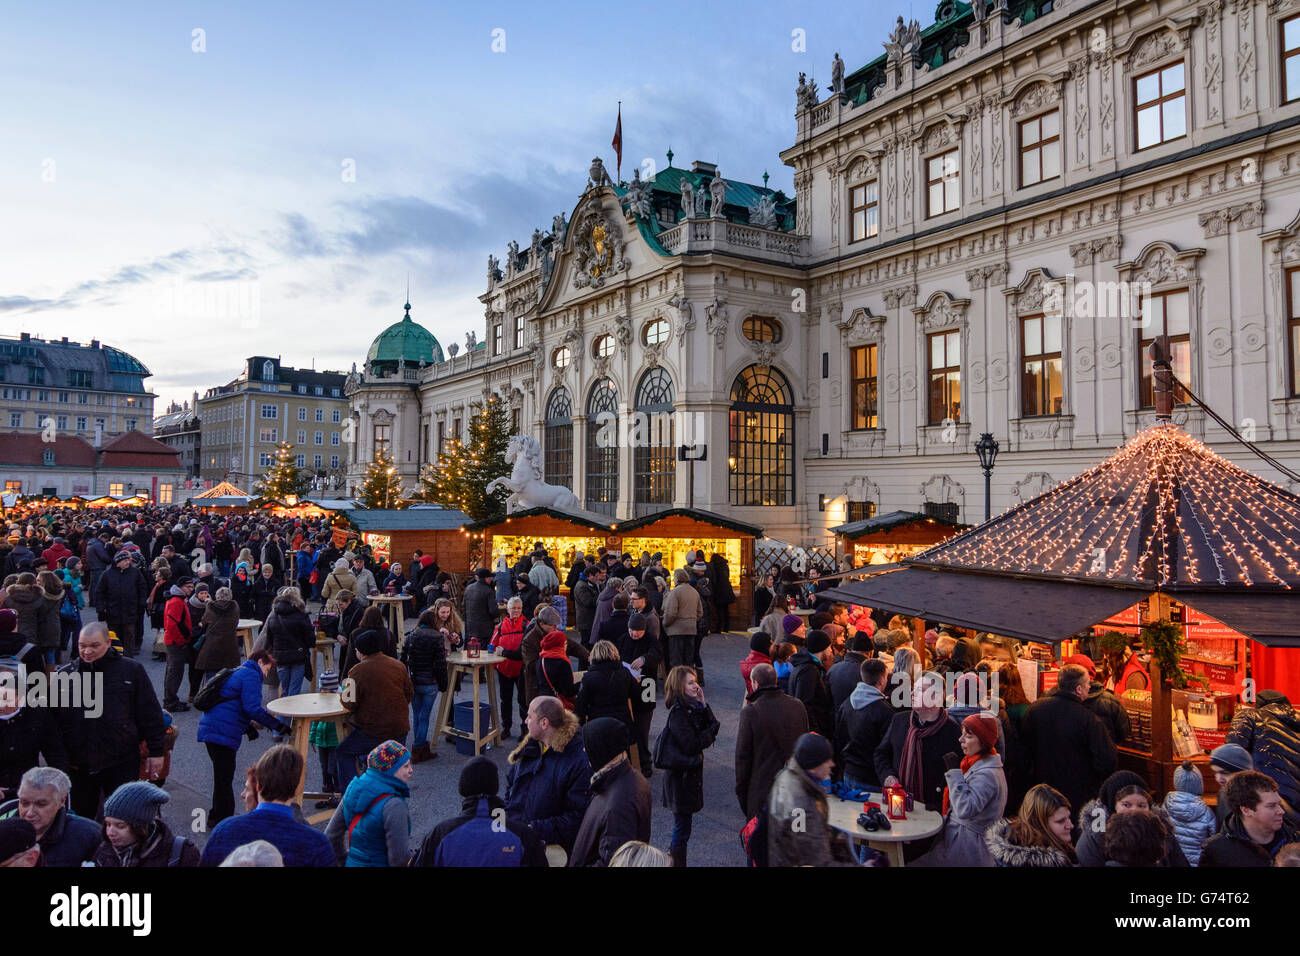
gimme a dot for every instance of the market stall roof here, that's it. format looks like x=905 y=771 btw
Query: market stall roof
x=407 y=519
x=889 y=521
x=1270 y=618
x=1024 y=608
x=223 y=489
x=335 y=504
x=1163 y=513
x=223 y=502
x=697 y=514
x=587 y=519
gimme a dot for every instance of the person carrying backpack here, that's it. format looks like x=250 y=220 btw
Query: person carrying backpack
x=231 y=701
x=372 y=826
x=135 y=834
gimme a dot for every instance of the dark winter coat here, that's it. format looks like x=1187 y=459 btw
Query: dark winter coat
x=619 y=811
x=221 y=643
x=798 y=829
x=585 y=596
x=425 y=656
x=155 y=851
x=1006 y=852
x=808 y=684
x=475 y=839
x=843 y=678
x=27 y=735
x=1091 y=845
x=861 y=724
x=240 y=704
x=1067 y=747
x=549 y=791
x=1270 y=732
x=130 y=715
x=1233 y=846
x=70 y=841
x=481 y=611
x=720 y=581
x=769 y=727
x=35 y=613
x=264 y=590
x=688 y=732
x=614 y=628
x=291 y=637
x=1107 y=707
x=607 y=690
x=651 y=652
x=889 y=756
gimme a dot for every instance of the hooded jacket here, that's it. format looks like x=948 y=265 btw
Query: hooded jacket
x=1270 y=732
x=798 y=831
x=549 y=787
x=1006 y=852
x=475 y=839
x=1110 y=711
x=336 y=581
x=178 y=629
x=376 y=802
x=585 y=596
x=808 y=684
x=290 y=634
x=240 y=704
x=619 y=811
x=425 y=656
x=607 y=690
x=860 y=724
x=34 y=611
x=1194 y=822
x=220 y=636
x=770 y=726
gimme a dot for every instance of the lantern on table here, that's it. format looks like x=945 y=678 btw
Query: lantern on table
x=473 y=649
x=895 y=798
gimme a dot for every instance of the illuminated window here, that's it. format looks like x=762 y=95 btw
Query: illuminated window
x=1168 y=314
x=115 y=488
x=558 y=436
x=863 y=360
x=382 y=436
x=761 y=328
x=945 y=377
x=761 y=439
x=1040 y=380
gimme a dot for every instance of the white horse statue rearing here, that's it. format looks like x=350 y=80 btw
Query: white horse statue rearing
x=525 y=484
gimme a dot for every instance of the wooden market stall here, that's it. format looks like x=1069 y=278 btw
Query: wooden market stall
x=395 y=534
x=1164 y=541
x=222 y=496
x=892 y=537
x=675 y=531
x=565 y=534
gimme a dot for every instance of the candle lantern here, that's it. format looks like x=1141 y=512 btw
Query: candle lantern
x=473 y=649
x=896 y=803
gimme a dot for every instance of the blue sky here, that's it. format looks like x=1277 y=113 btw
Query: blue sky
x=194 y=207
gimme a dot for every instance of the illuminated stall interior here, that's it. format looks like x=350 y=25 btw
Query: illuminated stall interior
x=564 y=534
x=892 y=537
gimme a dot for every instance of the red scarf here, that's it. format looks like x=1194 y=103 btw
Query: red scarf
x=911 y=772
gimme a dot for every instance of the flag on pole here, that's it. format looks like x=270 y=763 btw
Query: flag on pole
x=617 y=143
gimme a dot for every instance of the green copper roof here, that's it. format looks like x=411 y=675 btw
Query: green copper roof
x=407 y=340
x=667 y=185
x=938 y=41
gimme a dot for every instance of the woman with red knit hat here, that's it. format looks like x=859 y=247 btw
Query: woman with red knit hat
x=977 y=795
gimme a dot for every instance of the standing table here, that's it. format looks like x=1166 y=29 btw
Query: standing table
x=396 y=613
x=323 y=659
x=459 y=663
x=920 y=823
x=302 y=709
x=245 y=629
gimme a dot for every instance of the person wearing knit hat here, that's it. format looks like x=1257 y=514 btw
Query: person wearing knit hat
x=372 y=825
x=1122 y=792
x=135 y=835
x=18 y=847
x=794 y=626
x=975 y=798
x=482 y=834
x=799 y=833
x=620 y=796
x=808 y=681
x=760 y=652
x=1194 y=822
x=1225 y=760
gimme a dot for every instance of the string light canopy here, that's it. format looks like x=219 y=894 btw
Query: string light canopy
x=1163 y=513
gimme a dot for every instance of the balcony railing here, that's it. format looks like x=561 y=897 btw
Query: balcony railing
x=700 y=235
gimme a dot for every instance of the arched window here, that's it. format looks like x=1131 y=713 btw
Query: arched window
x=268 y=371
x=602 y=448
x=558 y=435
x=655 y=455
x=760 y=452
x=603 y=347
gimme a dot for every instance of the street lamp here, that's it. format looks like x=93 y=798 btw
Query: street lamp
x=987 y=449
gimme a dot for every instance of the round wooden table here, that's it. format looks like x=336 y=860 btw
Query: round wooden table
x=393 y=604
x=301 y=710
x=458 y=663
x=920 y=823
x=245 y=629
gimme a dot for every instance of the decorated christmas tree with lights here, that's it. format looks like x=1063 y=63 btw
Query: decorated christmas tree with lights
x=382 y=487
x=459 y=477
x=284 y=479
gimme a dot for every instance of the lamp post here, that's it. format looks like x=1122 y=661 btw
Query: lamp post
x=987 y=449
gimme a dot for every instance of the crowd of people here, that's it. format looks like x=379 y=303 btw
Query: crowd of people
x=840 y=700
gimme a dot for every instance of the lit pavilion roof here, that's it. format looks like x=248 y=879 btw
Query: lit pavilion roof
x=1164 y=512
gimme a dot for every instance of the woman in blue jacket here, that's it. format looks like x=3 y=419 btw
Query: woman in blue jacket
x=222 y=727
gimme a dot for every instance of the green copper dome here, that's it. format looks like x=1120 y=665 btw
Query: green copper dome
x=407 y=340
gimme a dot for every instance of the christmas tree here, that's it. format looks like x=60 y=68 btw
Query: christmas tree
x=459 y=477
x=382 y=487
x=283 y=480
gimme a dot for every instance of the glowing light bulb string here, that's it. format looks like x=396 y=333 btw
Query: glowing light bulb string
x=1255 y=449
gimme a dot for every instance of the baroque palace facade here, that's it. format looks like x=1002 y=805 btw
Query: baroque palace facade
x=992 y=221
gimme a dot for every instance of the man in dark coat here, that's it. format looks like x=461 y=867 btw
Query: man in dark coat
x=861 y=723
x=724 y=595
x=26 y=736
x=620 y=796
x=119 y=600
x=66 y=839
x=770 y=724
x=1256 y=828
x=586 y=594
x=936 y=734
x=549 y=783
x=1270 y=733
x=481 y=611
x=483 y=835
x=1068 y=747
x=103 y=738
x=1103 y=702
x=808 y=682
x=843 y=676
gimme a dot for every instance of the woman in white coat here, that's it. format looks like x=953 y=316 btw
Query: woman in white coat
x=977 y=796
